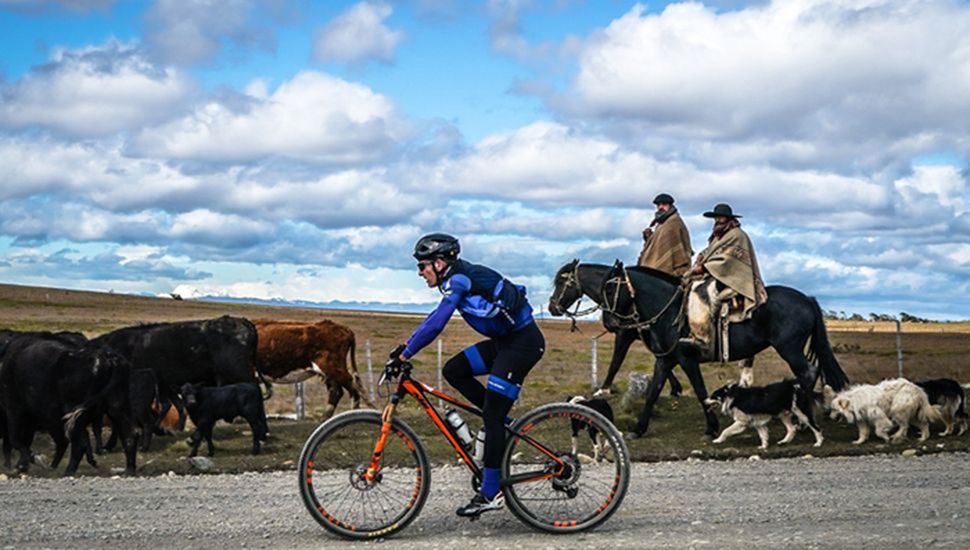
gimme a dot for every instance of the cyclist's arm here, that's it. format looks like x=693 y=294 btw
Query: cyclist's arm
x=436 y=321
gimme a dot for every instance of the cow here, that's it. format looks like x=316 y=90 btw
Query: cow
x=292 y=351
x=50 y=385
x=146 y=409
x=211 y=352
x=7 y=448
x=7 y=336
x=206 y=405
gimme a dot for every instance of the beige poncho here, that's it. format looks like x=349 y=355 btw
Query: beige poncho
x=668 y=248
x=731 y=261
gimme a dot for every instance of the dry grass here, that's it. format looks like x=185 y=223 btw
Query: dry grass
x=929 y=350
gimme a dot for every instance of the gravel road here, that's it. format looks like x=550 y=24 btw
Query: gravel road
x=854 y=502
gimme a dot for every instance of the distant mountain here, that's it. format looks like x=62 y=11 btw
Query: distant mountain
x=336 y=304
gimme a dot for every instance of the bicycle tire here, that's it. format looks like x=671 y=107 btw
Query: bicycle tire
x=581 y=500
x=340 y=500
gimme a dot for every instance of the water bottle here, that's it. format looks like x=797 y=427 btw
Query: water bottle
x=480 y=446
x=461 y=429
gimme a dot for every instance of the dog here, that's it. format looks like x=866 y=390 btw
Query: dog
x=896 y=401
x=948 y=395
x=600 y=448
x=755 y=406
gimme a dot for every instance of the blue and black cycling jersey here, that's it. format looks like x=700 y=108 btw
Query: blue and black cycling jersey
x=488 y=302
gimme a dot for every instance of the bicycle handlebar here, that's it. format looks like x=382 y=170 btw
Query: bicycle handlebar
x=394 y=369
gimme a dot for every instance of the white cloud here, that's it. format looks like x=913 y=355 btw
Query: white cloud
x=551 y=164
x=94 y=91
x=858 y=83
x=314 y=117
x=358 y=35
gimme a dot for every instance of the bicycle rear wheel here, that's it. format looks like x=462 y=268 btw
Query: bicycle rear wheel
x=332 y=464
x=580 y=496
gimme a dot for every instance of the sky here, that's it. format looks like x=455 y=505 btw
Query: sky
x=296 y=150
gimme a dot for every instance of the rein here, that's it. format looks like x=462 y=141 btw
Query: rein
x=640 y=326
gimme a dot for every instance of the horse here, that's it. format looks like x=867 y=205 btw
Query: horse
x=575 y=280
x=787 y=321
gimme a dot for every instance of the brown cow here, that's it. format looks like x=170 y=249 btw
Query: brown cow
x=293 y=351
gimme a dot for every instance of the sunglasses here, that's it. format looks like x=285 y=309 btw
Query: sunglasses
x=423 y=265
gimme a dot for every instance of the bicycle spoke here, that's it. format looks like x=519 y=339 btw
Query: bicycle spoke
x=583 y=492
x=332 y=482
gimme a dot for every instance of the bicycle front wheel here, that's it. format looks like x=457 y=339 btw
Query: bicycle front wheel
x=581 y=493
x=332 y=482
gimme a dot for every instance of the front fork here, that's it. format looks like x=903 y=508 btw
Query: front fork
x=387 y=417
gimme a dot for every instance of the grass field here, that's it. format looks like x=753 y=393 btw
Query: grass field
x=866 y=351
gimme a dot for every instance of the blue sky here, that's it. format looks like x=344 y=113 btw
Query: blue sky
x=296 y=150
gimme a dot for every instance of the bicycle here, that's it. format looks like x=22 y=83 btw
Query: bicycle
x=365 y=474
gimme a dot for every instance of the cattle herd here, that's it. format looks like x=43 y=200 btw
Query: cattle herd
x=145 y=379
x=138 y=378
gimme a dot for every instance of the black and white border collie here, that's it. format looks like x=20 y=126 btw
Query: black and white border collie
x=600 y=447
x=948 y=395
x=755 y=406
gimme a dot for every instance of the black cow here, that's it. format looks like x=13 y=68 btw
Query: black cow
x=143 y=396
x=69 y=337
x=50 y=385
x=7 y=448
x=211 y=352
x=6 y=337
x=207 y=405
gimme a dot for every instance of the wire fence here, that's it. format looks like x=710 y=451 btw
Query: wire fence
x=299 y=400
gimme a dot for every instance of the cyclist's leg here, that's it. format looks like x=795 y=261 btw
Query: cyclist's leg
x=517 y=354
x=460 y=371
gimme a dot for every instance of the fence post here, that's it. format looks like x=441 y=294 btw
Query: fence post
x=899 y=347
x=370 y=369
x=439 y=370
x=298 y=391
x=594 y=362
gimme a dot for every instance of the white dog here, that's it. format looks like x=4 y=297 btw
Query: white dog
x=897 y=401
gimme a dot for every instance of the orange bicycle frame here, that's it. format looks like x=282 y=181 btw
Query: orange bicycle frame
x=420 y=391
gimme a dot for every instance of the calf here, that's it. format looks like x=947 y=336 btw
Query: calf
x=206 y=405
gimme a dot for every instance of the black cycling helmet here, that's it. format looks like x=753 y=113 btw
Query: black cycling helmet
x=437 y=245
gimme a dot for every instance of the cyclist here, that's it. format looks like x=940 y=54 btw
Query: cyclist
x=495 y=308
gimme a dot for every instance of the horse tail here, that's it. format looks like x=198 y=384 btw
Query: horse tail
x=821 y=350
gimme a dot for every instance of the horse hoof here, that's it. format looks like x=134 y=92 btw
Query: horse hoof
x=707 y=437
x=631 y=436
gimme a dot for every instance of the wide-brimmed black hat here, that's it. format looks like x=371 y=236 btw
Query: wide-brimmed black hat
x=663 y=198
x=721 y=209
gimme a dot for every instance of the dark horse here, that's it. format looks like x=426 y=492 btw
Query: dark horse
x=575 y=280
x=786 y=322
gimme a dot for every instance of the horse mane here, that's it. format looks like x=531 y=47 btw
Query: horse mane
x=672 y=279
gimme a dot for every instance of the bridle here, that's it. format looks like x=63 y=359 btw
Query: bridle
x=572 y=280
x=634 y=318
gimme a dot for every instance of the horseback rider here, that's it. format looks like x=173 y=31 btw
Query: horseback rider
x=498 y=309
x=725 y=279
x=666 y=241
